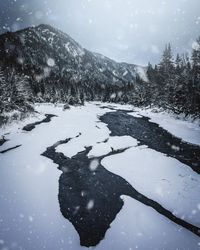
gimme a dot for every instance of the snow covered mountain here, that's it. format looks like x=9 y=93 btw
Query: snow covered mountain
x=53 y=61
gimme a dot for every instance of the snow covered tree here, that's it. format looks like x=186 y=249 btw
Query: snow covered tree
x=2 y=90
x=167 y=62
x=196 y=61
x=196 y=75
x=175 y=84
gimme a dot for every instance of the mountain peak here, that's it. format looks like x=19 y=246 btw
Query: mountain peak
x=44 y=26
x=30 y=51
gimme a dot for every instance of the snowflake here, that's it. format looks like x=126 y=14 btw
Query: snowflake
x=51 y=62
x=94 y=165
x=90 y=204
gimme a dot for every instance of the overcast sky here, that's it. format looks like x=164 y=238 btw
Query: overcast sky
x=134 y=31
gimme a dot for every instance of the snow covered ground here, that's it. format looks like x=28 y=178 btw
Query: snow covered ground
x=30 y=217
x=184 y=128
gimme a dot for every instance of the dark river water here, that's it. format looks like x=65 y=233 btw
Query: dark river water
x=89 y=199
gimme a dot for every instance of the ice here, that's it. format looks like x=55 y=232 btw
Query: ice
x=161 y=178
x=30 y=210
x=113 y=143
x=186 y=129
x=87 y=119
x=140 y=227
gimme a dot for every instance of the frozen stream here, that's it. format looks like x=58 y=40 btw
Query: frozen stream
x=36 y=195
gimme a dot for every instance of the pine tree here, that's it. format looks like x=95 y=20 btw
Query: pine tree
x=178 y=64
x=166 y=76
x=167 y=63
x=196 y=61
x=2 y=90
x=196 y=76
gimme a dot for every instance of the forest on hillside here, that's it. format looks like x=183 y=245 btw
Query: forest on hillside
x=173 y=84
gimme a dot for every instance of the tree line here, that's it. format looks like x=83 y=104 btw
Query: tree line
x=174 y=83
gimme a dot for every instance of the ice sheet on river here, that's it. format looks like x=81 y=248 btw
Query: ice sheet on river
x=29 y=214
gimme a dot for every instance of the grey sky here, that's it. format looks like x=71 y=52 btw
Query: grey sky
x=126 y=30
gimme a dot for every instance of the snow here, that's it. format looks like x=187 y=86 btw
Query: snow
x=142 y=73
x=74 y=51
x=140 y=227
x=90 y=205
x=14 y=126
x=125 y=73
x=195 y=45
x=85 y=123
x=114 y=143
x=161 y=178
x=94 y=165
x=30 y=215
x=51 y=62
x=188 y=130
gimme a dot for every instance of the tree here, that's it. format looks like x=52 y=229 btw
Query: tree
x=196 y=61
x=176 y=84
x=167 y=63
x=196 y=75
x=2 y=90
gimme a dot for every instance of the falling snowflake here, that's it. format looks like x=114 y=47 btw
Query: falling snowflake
x=30 y=218
x=94 y=165
x=50 y=62
x=90 y=204
x=195 y=45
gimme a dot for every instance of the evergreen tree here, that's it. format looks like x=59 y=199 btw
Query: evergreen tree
x=176 y=84
x=196 y=75
x=167 y=63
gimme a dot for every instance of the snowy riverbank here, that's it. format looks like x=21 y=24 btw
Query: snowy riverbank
x=30 y=215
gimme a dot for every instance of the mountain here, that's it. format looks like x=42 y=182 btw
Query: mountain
x=54 y=67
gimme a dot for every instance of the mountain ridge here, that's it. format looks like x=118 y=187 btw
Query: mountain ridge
x=69 y=43
x=55 y=67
